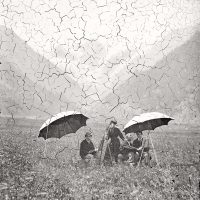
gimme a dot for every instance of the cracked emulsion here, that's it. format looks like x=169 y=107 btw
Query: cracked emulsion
x=110 y=58
x=103 y=58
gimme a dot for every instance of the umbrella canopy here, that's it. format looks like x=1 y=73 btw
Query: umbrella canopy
x=146 y=121
x=61 y=124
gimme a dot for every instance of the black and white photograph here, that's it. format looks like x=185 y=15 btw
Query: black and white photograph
x=99 y=99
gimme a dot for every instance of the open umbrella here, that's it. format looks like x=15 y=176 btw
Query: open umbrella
x=146 y=121
x=61 y=124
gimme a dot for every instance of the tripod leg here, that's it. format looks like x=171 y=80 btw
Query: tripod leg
x=143 y=142
x=101 y=151
x=140 y=157
x=110 y=154
x=154 y=151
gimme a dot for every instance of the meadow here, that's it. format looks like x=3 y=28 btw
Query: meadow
x=31 y=168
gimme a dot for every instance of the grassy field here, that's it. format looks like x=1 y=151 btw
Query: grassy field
x=31 y=168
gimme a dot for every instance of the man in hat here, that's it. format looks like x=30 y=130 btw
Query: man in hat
x=87 y=150
x=113 y=134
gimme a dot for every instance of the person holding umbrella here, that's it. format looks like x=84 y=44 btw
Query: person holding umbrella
x=87 y=150
x=113 y=134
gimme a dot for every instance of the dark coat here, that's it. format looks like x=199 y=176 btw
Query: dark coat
x=114 y=134
x=85 y=147
x=138 y=143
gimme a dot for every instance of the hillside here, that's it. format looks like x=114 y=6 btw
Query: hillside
x=29 y=80
x=19 y=96
x=31 y=85
x=171 y=86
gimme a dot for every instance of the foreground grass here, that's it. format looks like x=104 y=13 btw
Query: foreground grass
x=26 y=174
x=117 y=182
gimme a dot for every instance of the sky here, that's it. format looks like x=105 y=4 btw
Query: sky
x=100 y=42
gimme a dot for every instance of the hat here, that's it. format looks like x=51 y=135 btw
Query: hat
x=113 y=121
x=88 y=134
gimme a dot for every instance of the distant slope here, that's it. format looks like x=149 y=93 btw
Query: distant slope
x=171 y=86
x=19 y=96
x=33 y=79
x=36 y=67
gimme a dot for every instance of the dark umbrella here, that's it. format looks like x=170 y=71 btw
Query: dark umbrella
x=146 y=121
x=62 y=124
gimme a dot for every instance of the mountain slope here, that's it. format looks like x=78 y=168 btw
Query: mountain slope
x=20 y=96
x=34 y=79
x=171 y=86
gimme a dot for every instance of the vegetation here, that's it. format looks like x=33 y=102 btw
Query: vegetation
x=26 y=174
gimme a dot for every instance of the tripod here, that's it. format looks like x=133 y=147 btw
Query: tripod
x=103 y=147
x=154 y=151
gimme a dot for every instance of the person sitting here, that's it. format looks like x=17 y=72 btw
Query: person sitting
x=87 y=150
x=141 y=152
x=126 y=150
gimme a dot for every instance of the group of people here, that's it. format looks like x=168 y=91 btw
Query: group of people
x=129 y=151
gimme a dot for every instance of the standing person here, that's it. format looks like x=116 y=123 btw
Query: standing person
x=87 y=150
x=113 y=134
